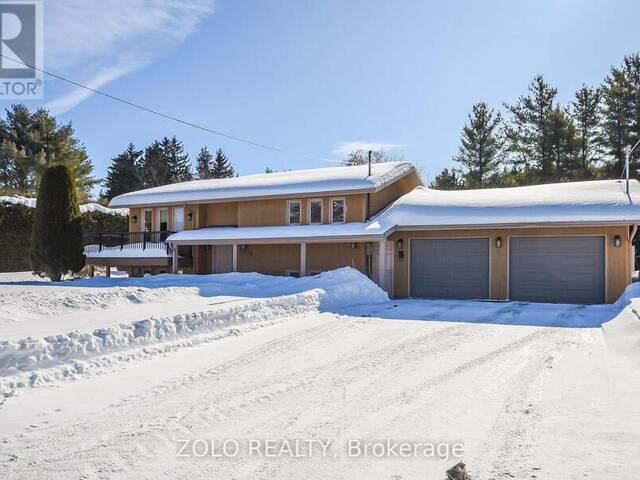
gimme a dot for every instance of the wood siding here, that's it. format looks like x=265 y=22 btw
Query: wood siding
x=328 y=256
x=269 y=259
x=618 y=263
x=390 y=193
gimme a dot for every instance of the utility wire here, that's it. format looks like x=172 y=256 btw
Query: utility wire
x=146 y=109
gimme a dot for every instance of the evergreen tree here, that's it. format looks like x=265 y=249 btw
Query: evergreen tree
x=481 y=145
x=178 y=165
x=563 y=145
x=585 y=113
x=123 y=175
x=154 y=167
x=616 y=113
x=203 y=163
x=527 y=132
x=447 y=179
x=268 y=170
x=56 y=245
x=31 y=142
x=221 y=166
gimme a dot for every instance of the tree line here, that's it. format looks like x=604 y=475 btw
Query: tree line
x=161 y=163
x=537 y=140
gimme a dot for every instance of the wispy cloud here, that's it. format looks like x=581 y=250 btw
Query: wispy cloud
x=344 y=148
x=98 y=41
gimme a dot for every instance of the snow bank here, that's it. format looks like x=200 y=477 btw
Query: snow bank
x=87 y=207
x=35 y=361
x=622 y=333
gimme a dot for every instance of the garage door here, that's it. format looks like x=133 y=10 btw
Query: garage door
x=450 y=268
x=557 y=269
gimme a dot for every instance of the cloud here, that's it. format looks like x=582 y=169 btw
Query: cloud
x=98 y=41
x=344 y=148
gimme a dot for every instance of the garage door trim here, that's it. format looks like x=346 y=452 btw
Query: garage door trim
x=481 y=237
x=606 y=256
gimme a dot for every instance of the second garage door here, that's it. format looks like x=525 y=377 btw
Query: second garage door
x=450 y=268
x=557 y=269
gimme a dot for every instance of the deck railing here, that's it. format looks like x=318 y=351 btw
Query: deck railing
x=99 y=242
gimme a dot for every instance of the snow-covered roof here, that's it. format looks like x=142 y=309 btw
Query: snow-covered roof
x=295 y=182
x=599 y=201
x=282 y=233
x=87 y=207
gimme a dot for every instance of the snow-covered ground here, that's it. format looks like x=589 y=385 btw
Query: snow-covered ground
x=119 y=373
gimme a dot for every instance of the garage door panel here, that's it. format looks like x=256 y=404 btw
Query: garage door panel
x=450 y=268
x=557 y=269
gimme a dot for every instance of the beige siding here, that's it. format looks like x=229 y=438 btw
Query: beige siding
x=327 y=256
x=618 y=267
x=269 y=259
x=390 y=193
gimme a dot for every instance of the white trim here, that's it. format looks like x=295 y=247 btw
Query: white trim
x=234 y=260
x=303 y=259
x=382 y=257
x=606 y=257
x=288 y=211
x=344 y=210
x=309 y=201
x=408 y=258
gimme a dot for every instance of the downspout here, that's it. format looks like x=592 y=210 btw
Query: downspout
x=632 y=249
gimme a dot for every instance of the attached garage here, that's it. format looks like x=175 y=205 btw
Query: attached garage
x=569 y=269
x=449 y=268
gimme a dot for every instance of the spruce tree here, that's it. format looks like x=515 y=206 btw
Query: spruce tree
x=447 y=179
x=221 y=166
x=178 y=165
x=56 y=245
x=124 y=175
x=31 y=142
x=585 y=113
x=527 y=132
x=153 y=167
x=481 y=146
x=203 y=163
x=563 y=145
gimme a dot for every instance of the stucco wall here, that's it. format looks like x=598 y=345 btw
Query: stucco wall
x=618 y=263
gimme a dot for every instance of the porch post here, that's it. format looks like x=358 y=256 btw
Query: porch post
x=92 y=271
x=303 y=259
x=174 y=259
x=235 y=257
x=381 y=263
x=108 y=271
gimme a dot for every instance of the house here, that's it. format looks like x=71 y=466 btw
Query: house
x=566 y=242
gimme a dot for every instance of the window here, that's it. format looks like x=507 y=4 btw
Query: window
x=293 y=210
x=337 y=210
x=164 y=219
x=148 y=220
x=315 y=211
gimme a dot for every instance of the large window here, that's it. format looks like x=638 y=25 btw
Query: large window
x=315 y=211
x=148 y=220
x=164 y=219
x=293 y=212
x=337 y=210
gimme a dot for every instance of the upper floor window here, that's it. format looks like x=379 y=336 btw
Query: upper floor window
x=315 y=211
x=337 y=210
x=163 y=215
x=293 y=212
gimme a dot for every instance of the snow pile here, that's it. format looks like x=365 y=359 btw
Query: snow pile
x=33 y=361
x=87 y=207
x=622 y=333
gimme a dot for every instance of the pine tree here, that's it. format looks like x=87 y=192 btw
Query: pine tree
x=203 y=163
x=221 y=166
x=124 y=175
x=31 y=142
x=585 y=112
x=527 y=132
x=178 y=165
x=447 y=180
x=56 y=245
x=616 y=122
x=154 y=167
x=481 y=146
x=563 y=145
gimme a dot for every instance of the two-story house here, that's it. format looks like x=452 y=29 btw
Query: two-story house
x=565 y=242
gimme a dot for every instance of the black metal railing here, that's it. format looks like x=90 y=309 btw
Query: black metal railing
x=99 y=242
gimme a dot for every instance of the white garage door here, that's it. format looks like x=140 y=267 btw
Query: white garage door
x=450 y=268
x=557 y=269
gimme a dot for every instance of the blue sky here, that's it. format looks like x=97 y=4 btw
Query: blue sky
x=310 y=77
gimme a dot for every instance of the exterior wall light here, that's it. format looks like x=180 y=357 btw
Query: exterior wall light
x=617 y=241
x=354 y=245
x=134 y=219
x=499 y=242
x=400 y=244
x=189 y=217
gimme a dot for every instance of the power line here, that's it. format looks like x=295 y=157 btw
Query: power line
x=146 y=109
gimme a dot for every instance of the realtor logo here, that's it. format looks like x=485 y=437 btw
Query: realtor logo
x=20 y=49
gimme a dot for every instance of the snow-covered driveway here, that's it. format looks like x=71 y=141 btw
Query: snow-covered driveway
x=526 y=401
